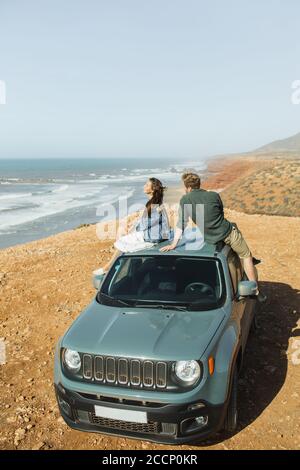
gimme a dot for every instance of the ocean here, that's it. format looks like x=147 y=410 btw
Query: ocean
x=41 y=197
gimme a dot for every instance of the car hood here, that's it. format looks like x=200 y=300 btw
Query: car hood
x=143 y=332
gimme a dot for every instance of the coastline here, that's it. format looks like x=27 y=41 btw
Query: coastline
x=219 y=173
x=222 y=174
x=47 y=196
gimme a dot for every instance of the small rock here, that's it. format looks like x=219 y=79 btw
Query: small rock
x=19 y=436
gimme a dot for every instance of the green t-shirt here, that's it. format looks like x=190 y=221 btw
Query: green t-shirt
x=199 y=204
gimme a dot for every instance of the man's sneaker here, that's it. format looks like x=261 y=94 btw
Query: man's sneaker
x=262 y=298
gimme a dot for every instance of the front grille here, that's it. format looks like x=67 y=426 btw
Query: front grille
x=125 y=372
x=87 y=366
x=146 y=428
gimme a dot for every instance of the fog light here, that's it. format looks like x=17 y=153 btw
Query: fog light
x=202 y=420
x=192 y=425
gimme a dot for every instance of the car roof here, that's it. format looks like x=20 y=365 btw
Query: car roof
x=188 y=249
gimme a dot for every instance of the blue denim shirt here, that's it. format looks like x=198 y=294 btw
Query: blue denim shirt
x=155 y=227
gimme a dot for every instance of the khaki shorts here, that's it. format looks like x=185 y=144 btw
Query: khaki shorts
x=236 y=241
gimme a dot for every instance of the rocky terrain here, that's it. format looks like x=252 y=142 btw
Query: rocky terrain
x=272 y=189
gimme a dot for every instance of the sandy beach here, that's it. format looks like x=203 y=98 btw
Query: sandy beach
x=45 y=284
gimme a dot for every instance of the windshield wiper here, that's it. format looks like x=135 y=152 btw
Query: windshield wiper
x=113 y=300
x=135 y=303
x=180 y=308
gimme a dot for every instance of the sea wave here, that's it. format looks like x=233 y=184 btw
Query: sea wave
x=57 y=202
x=64 y=187
x=14 y=195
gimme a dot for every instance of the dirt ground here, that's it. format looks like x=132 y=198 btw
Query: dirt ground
x=45 y=284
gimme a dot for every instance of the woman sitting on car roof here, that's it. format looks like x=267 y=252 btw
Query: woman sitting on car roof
x=152 y=227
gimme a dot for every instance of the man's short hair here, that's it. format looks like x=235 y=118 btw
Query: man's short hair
x=191 y=180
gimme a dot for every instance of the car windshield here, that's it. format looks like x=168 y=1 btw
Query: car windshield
x=174 y=282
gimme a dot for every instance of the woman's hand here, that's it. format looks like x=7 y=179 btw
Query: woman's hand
x=173 y=245
x=168 y=248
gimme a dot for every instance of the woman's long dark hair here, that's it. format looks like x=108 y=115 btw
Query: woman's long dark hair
x=158 y=194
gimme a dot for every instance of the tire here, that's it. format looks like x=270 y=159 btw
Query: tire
x=254 y=324
x=231 y=418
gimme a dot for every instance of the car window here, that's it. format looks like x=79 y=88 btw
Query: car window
x=166 y=279
x=119 y=270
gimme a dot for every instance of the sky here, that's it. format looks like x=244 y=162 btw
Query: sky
x=146 y=79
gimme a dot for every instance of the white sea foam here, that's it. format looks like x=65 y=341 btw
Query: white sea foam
x=14 y=195
x=20 y=208
x=64 y=187
x=136 y=178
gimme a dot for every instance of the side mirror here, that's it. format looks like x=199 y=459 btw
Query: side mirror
x=247 y=288
x=98 y=277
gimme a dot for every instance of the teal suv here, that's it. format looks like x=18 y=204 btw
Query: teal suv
x=156 y=355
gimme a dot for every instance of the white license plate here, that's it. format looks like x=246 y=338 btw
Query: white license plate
x=121 y=415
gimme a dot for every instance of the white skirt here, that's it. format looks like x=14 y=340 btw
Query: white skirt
x=134 y=241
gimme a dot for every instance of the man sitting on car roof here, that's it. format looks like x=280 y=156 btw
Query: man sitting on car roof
x=215 y=227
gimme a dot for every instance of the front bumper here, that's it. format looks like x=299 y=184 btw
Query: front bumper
x=166 y=423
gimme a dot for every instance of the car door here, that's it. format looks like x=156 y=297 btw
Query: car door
x=240 y=306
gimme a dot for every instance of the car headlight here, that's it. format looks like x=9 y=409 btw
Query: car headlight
x=72 y=360
x=187 y=371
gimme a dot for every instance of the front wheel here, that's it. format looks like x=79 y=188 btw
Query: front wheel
x=231 y=419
